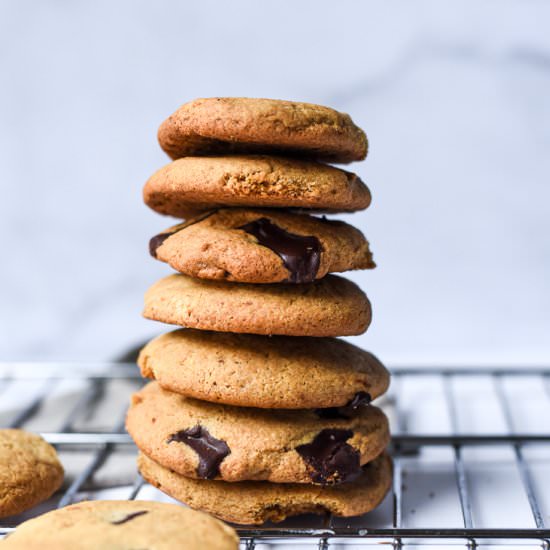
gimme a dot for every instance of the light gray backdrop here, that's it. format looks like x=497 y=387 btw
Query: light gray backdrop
x=454 y=97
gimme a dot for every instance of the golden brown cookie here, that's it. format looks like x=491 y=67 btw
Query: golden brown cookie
x=30 y=471
x=194 y=184
x=208 y=440
x=122 y=525
x=262 y=246
x=255 y=502
x=332 y=306
x=228 y=125
x=280 y=372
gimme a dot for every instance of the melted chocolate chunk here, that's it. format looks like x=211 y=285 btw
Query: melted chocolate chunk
x=349 y=410
x=301 y=255
x=156 y=241
x=129 y=517
x=338 y=223
x=330 y=458
x=211 y=451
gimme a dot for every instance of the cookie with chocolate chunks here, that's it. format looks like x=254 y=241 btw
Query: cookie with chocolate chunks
x=280 y=372
x=124 y=525
x=229 y=125
x=255 y=502
x=332 y=306
x=262 y=246
x=194 y=184
x=212 y=441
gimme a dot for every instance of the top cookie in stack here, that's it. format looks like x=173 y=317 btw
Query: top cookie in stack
x=247 y=177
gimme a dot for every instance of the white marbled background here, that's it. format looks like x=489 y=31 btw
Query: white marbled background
x=454 y=96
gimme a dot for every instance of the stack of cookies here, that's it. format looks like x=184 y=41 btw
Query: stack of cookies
x=257 y=412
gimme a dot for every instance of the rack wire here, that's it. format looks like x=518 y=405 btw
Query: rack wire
x=471 y=451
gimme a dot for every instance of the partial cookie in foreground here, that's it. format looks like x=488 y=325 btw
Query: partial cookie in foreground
x=262 y=246
x=280 y=372
x=255 y=502
x=122 y=525
x=194 y=184
x=208 y=440
x=332 y=306
x=228 y=125
x=30 y=471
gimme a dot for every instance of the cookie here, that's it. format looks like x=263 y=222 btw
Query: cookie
x=193 y=184
x=228 y=125
x=280 y=372
x=30 y=471
x=255 y=502
x=262 y=246
x=212 y=441
x=122 y=525
x=332 y=306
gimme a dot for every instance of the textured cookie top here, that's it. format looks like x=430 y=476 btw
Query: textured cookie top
x=262 y=246
x=332 y=306
x=123 y=525
x=253 y=371
x=30 y=471
x=206 y=440
x=255 y=502
x=193 y=184
x=228 y=125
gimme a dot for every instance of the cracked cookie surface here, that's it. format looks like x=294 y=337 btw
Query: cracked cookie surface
x=30 y=471
x=262 y=246
x=191 y=185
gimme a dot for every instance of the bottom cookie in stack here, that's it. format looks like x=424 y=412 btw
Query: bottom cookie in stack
x=255 y=502
x=250 y=465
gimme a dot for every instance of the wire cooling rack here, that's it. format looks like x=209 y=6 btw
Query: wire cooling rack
x=471 y=450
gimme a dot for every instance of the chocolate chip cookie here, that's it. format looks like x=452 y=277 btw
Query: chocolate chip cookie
x=212 y=441
x=332 y=306
x=194 y=184
x=228 y=125
x=30 y=471
x=255 y=502
x=262 y=246
x=280 y=372
x=122 y=525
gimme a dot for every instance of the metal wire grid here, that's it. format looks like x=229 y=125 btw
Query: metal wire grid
x=329 y=531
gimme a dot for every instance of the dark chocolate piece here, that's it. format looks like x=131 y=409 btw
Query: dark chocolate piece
x=129 y=517
x=301 y=255
x=211 y=451
x=337 y=223
x=349 y=410
x=157 y=240
x=330 y=458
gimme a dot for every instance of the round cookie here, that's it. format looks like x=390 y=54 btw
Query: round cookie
x=280 y=372
x=30 y=471
x=124 y=525
x=194 y=184
x=262 y=246
x=255 y=502
x=222 y=125
x=212 y=441
x=332 y=306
